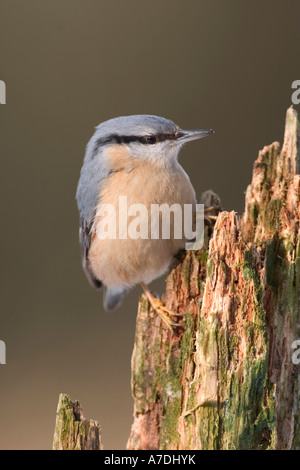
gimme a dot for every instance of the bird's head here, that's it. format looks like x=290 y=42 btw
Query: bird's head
x=144 y=136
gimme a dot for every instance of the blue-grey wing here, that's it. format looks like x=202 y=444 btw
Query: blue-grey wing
x=93 y=172
x=85 y=235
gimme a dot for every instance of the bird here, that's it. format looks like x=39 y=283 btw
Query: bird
x=135 y=157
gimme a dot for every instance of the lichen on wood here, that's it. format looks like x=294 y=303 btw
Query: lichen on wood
x=72 y=430
x=227 y=381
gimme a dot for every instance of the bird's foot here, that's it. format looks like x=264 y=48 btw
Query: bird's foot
x=160 y=308
x=164 y=313
x=210 y=214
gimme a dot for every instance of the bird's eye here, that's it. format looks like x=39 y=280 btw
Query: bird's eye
x=151 y=139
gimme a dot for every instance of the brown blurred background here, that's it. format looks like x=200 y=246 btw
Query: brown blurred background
x=68 y=65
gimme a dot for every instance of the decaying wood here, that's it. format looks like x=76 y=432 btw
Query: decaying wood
x=227 y=381
x=72 y=430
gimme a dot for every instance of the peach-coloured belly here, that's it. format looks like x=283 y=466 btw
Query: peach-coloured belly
x=126 y=262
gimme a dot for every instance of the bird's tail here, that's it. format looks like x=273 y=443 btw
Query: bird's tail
x=113 y=297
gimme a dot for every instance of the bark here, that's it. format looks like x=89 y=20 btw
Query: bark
x=229 y=379
x=72 y=430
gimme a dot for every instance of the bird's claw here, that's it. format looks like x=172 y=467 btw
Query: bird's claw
x=164 y=312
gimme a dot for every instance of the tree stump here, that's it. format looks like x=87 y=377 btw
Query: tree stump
x=72 y=430
x=228 y=379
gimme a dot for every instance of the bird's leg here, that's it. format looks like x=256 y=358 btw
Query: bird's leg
x=159 y=307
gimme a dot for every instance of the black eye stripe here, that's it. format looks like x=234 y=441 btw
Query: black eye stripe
x=142 y=139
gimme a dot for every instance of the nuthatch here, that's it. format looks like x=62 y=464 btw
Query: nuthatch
x=136 y=157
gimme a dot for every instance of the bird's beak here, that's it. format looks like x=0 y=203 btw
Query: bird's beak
x=186 y=136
